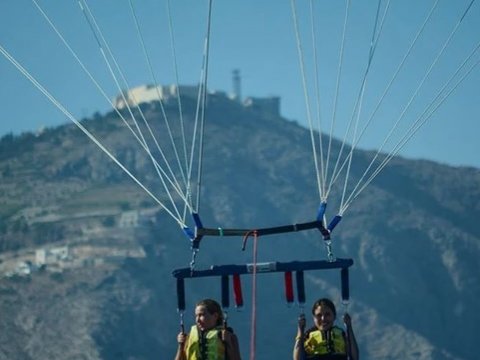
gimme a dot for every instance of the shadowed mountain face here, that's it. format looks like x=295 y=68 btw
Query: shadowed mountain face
x=86 y=256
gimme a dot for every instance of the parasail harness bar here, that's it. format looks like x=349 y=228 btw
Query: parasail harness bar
x=224 y=271
x=265 y=231
x=201 y=231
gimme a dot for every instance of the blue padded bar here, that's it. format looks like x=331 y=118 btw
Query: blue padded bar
x=221 y=270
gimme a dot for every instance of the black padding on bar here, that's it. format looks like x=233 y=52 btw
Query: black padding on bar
x=300 y=287
x=225 y=292
x=265 y=231
x=180 y=294
x=345 y=284
x=221 y=270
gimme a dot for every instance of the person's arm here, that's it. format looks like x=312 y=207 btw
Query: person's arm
x=298 y=349
x=182 y=340
x=351 y=341
x=231 y=345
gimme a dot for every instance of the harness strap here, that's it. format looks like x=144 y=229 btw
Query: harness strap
x=225 y=292
x=289 y=287
x=300 y=287
x=237 y=290
x=345 y=285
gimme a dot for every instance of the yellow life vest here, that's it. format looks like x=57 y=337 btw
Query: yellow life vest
x=206 y=345
x=325 y=342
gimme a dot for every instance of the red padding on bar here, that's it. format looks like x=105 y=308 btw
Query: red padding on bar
x=289 y=287
x=237 y=290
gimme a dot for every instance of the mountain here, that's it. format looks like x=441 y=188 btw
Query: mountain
x=86 y=255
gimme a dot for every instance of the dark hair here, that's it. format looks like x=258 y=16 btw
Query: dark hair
x=324 y=302
x=212 y=307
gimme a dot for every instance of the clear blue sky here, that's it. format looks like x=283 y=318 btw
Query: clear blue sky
x=258 y=38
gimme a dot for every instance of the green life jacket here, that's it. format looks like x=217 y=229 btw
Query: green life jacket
x=205 y=345
x=330 y=342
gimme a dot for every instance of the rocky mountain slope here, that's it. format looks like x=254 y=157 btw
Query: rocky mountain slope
x=104 y=288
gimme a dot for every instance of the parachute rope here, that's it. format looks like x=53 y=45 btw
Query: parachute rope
x=55 y=102
x=387 y=89
x=337 y=86
x=179 y=103
x=407 y=106
x=103 y=44
x=306 y=96
x=358 y=105
x=322 y=172
x=419 y=122
x=141 y=141
x=318 y=103
x=156 y=83
x=204 y=105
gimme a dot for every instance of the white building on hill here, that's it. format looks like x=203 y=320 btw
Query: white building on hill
x=150 y=93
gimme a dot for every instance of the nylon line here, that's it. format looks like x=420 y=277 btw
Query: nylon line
x=445 y=45
x=318 y=102
x=54 y=101
x=417 y=124
x=387 y=89
x=98 y=36
x=359 y=100
x=156 y=83
x=337 y=87
x=175 y=67
x=101 y=90
x=306 y=96
x=204 y=104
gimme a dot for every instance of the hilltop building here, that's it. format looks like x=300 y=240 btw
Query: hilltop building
x=150 y=93
x=269 y=105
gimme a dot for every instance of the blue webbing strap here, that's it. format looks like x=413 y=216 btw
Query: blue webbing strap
x=321 y=211
x=334 y=222
x=180 y=294
x=225 y=292
x=300 y=287
x=345 y=285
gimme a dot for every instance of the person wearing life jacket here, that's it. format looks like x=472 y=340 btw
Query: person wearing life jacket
x=325 y=340
x=208 y=339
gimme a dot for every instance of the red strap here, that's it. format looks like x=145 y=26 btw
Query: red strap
x=237 y=290
x=289 y=287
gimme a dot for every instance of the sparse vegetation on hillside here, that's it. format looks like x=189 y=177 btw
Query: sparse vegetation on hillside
x=412 y=235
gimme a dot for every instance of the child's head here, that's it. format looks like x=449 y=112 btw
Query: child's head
x=324 y=314
x=208 y=314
